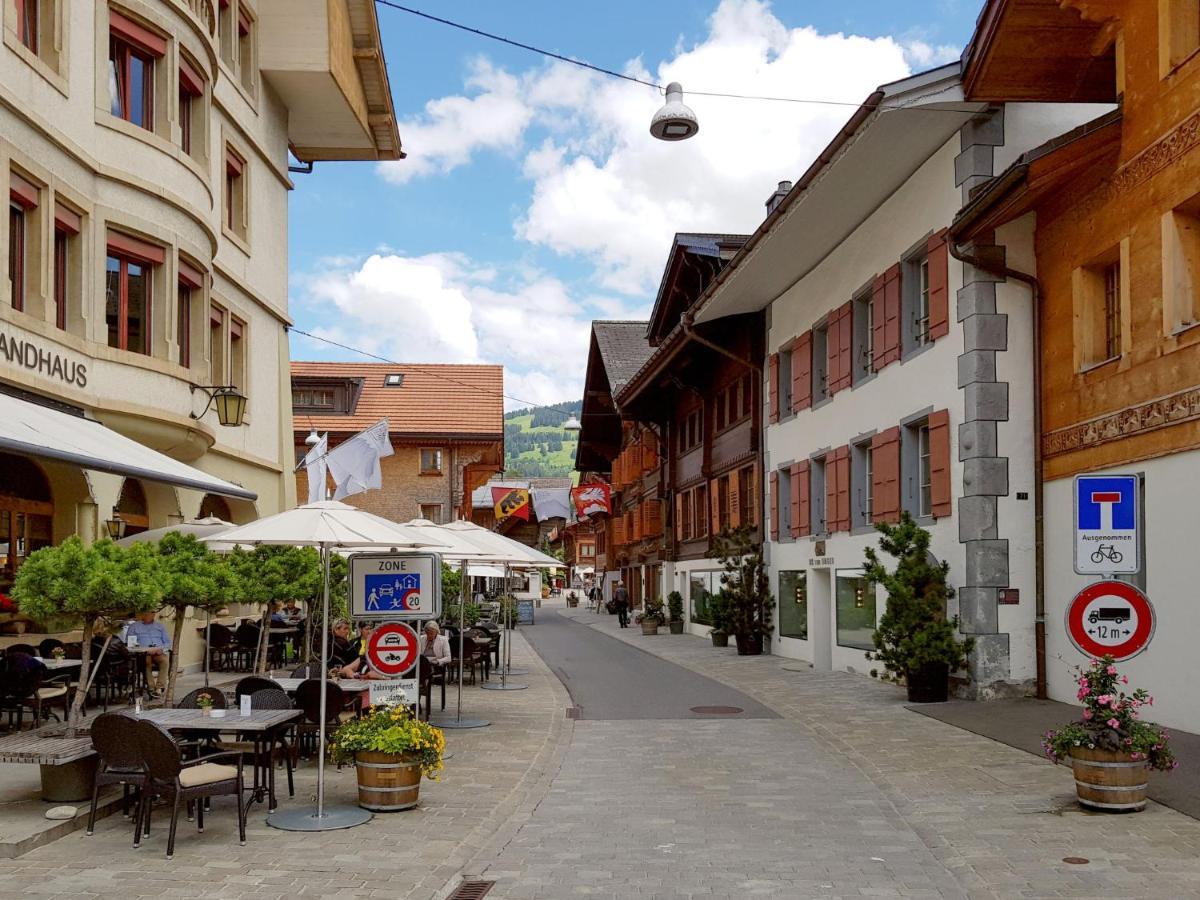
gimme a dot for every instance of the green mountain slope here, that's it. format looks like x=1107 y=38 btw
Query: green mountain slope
x=535 y=444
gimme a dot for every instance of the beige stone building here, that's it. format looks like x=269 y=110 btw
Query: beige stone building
x=445 y=422
x=145 y=149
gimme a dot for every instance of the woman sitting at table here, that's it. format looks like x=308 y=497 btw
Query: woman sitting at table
x=342 y=652
x=433 y=646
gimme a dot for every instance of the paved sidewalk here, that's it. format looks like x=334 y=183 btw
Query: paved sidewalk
x=490 y=785
x=850 y=794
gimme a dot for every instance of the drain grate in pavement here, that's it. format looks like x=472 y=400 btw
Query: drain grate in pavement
x=717 y=710
x=471 y=890
x=1076 y=860
x=572 y=712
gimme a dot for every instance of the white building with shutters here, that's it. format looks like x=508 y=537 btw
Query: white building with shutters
x=897 y=377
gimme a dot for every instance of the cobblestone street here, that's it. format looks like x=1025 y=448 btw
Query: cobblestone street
x=834 y=789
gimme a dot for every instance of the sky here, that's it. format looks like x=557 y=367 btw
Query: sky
x=534 y=200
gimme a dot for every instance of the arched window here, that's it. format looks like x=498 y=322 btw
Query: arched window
x=26 y=511
x=133 y=508
x=215 y=507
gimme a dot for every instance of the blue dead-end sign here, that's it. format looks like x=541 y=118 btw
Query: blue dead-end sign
x=1106 y=524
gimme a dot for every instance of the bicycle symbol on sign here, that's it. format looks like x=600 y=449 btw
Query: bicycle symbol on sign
x=1107 y=551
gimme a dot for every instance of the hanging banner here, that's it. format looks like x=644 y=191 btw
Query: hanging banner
x=511 y=502
x=592 y=499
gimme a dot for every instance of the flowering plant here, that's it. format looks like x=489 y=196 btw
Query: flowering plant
x=391 y=729
x=204 y=701
x=58 y=653
x=1111 y=720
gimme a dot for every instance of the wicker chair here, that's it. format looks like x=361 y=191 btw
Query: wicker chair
x=252 y=684
x=245 y=646
x=26 y=686
x=220 y=647
x=308 y=670
x=115 y=738
x=202 y=739
x=308 y=699
x=187 y=781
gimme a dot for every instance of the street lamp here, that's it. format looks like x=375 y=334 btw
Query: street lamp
x=229 y=403
x=115 y=525
x=313 y=438
x=674 y=121
x=572 y=424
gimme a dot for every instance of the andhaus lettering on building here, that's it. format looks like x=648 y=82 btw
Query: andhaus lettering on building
x=45 y=362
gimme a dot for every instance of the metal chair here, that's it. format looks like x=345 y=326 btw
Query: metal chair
x=114 y=737
x=308 y=670
x=220 y=646
x=178 y=779
x=246 y=644
x=308 y=699
x=252 y=684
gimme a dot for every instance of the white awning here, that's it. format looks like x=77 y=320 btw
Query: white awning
x=39 y=431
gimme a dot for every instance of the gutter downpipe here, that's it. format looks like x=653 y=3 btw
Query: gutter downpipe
x=1039 y=562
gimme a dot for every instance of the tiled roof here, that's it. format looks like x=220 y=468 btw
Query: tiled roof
x=433 y=398
x=623 y=349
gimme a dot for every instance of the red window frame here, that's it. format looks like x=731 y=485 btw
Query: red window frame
x=183 y=324
x=60 y=277
x=191 y=87
x=16 y=254
x=28 y=15
x=127 y=250
x=234 y=167
x=127 y=40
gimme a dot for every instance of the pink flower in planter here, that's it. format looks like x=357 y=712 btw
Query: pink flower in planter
x=1103 y=699
x=1113 y=723
x=1087 y=713
x=1112 y=670
x=1124 y=679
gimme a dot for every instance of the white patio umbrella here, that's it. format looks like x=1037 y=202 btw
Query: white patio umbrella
x=209 y=526
x=326 y=525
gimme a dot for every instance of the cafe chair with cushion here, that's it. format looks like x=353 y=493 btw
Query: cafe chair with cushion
x=115 y=739
x=26 y=686
x=186 y=781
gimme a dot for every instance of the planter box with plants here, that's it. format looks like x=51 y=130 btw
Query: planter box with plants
x=675 y=611
x=391 y=750
x=650 y=617
x=1111 y=750
x=915 y=641
x=746 y=591
x=718 y=614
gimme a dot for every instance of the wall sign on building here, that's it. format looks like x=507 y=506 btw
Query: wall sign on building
x=1106 y=524
x=395 y=585
x=44 y=362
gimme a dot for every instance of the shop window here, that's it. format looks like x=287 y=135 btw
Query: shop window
x=431 y=461
x=216 y=344
x=1178 y=33
x=820 y=362
x=702 y=586
x=855 y=601
x=191 y=108
x=67 y=225
x=235 y=193
x=793 y=604
x=862 y=477
x=247 y=63
x=237 y=353
x=134 y=53
x=864 y=333
x=1099 y=297
x=133 y=508
x=129 y=292
x=1181 y=266
x=26 y=512
x=432 y=512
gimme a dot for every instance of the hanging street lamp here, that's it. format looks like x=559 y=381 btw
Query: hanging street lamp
x=674 y=121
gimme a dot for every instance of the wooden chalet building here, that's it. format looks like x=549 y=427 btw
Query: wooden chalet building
x=612 y=449
x=693 y=423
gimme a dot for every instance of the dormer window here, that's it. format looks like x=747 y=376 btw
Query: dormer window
x=393 y=380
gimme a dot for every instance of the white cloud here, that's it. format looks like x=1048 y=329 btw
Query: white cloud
x=923 y=55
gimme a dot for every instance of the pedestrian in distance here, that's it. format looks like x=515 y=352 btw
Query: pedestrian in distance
x=621 y=599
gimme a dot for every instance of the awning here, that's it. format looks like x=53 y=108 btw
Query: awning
x=47 y=433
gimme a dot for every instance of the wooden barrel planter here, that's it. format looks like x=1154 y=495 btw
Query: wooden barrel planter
x=650 y=626
x=387 y=782
x=1109 y=781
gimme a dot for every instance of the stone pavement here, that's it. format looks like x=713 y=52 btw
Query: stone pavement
x=850 y=794
x=489 y=787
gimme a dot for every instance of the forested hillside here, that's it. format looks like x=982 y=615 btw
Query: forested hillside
x=535 y=443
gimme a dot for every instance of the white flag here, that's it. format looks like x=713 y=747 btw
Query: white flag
x=355 y=463
x=316 y=464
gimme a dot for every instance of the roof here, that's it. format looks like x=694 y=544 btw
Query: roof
x=716 y=248
x=434 y=399
x=623 y=350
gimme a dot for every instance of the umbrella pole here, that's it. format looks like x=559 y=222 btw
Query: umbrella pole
x=458 y=721
x=505 y=642
x=324 y=677
x=207 y=645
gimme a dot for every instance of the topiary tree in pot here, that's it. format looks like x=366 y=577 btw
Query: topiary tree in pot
x=675 y=612
x=93 y=584
x=915 y=640
x=746 y=588
x=718 y=614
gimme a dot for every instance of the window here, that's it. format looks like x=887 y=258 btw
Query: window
x=783 y=502
x=1178 y=34
x=246 y=64
x=746 y=506
x=719 y=411
x=855 y=599
x=723 y=520
x=23 y=198
x=864 y=336
x=191 y=108
x=914 y=309
x=700 y=505
x=432 y=512
x=587 y=550
x=924 y=473
x=793 y=604
x=1098 y=298
x=786 y=360
x=235 y=193
x=816 y=496
x=16 y=255
x=1181 y=266
x=28 y=23
x=183 y=325
x=820 y=362
x=225 y=31
x=67 y=225
x=685 y=515
x=431 y=461
x=691 y=431
x=133 y=52
x=60 y=277
x=921 y=325
x=702 y=586
x=237 y=353
x=747 y=395
x=129 y=292
x=216 y=343
x=862 y=471
x=322 y=398
x=395 y=379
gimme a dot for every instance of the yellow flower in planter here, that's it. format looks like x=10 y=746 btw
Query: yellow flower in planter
x=391 y=730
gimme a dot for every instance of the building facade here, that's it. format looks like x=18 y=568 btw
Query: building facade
x=445 y=422
x=1105 y=217
x=897 y=379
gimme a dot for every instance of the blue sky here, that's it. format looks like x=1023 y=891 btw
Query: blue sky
x=534 y=200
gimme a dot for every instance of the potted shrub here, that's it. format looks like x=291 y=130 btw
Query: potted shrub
x=1110 y=748
x=572 y=599
x=391 y=750
x=718 y=614
x=650 y=617
x=675 y=611
x=914 y=640
x=746 y=588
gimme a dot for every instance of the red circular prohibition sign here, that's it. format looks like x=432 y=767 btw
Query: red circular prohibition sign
x=392 y=648
x=1110 y=617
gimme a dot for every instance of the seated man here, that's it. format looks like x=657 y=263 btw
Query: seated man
x=150 y=639
x=292 y=613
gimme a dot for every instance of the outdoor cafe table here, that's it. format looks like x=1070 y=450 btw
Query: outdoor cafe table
x=57 y=665
x=349 y=685
x=263 y=724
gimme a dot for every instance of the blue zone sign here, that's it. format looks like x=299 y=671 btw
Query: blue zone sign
x=1106 y=524
x=394 y=593
x=395 y=586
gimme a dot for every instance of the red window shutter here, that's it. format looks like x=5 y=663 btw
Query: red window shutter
x=653 y=517
x=939 y=464
x=138 y=35
x=753 y=505
x=878 y=337
x=190 y=78
x=802 y=372
x=735 y=506
x=190 y=275
x=939 y=286
x=891 y=314
x=801 y=500
x=845 y=347
x=773 y=386
x=618 y=531
x=885 y=484
x=678 y=515
x=774 y=506
x=839 y=520
x=714 y=506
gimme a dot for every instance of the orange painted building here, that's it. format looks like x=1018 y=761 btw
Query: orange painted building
x=1112 y=210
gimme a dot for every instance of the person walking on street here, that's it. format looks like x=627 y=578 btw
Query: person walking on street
x=621 y=599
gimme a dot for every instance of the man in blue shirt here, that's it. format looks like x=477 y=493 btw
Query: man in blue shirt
x=150 y=639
